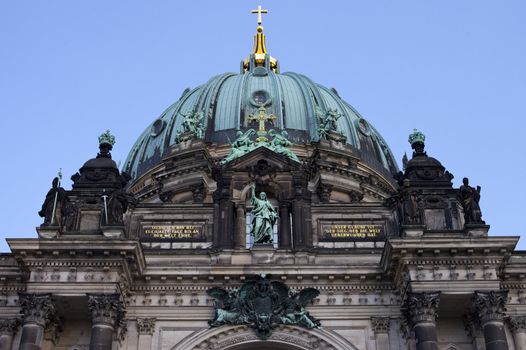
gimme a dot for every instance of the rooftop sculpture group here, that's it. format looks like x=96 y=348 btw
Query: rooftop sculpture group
x=327 y=122
x=193 y=126
x=244 y=144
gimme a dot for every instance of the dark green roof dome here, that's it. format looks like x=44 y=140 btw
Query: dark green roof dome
x=227 y=100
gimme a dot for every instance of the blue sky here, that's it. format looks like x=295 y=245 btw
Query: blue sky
x=454 y=69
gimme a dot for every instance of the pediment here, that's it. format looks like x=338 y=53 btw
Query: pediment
x=254 y=158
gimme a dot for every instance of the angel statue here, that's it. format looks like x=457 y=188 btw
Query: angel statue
x=327 y=122
x=294 y=312
x=280 y=142
x=243 y=144
x=194 y=123
x=264 y=216
x=228 y=307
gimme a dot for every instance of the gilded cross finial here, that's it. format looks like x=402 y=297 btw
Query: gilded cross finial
x=259 y=54
x=259 y=11
x=261 y=118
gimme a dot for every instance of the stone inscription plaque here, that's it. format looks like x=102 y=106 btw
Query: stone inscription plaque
x=351 y=232
x=178 y=232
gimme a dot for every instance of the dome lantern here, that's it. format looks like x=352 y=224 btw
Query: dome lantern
x=259 y=56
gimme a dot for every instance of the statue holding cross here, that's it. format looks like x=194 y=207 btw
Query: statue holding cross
x=261 y=118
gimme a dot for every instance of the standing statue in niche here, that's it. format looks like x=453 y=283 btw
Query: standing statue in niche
x=118 y=202
x=264 y=216
x=469 y=198
x=68 y=216
x=412 y=212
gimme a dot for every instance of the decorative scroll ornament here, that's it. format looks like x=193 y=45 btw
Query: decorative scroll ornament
x=262 y=305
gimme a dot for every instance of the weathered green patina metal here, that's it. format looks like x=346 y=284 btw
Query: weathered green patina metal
x=327 y=122
x=416 y=136
x=228 y=99
x=193 y=126
x=242 y=145
x=280 y=143
x=264 y=216
x=107 y=138
x=263 y=304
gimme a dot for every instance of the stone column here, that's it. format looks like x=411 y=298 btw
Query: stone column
x=38 y=312
x=8 y=328
x=241 y=226
x=380 y=326
x=284 y=226
x=473 y=329
x=420 y=310
x=489 y=308
x=107 y=312
x=145 y=329
x=518 y=328
x=301 y=212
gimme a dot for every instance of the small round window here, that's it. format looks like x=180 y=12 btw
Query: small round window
x=363 y=126
x=260 y=98
x=157 y=127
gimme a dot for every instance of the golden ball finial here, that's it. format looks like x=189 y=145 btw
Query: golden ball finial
x=259 y=29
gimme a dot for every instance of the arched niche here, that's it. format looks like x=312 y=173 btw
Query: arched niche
x=282 y=338
x=243 y=207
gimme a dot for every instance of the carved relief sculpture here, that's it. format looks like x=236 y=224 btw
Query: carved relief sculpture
x=263 y=305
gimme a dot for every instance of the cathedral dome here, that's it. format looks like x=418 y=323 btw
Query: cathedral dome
x=226 y=102
x=228 y=99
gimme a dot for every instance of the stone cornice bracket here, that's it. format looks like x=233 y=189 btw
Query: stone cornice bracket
x=106 y=309
x=146 y=325
x=517 y=323
x=380 y=324
x=490 y=306
x=421 y=307
x=38 y=308
x=9 y=326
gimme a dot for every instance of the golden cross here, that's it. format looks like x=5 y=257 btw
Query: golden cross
x=262 y=117
x=259 y=11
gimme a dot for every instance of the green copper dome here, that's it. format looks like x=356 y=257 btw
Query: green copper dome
x=227 y=100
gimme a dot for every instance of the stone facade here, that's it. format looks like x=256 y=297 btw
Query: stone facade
x=401 y=260
x=411 y=287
